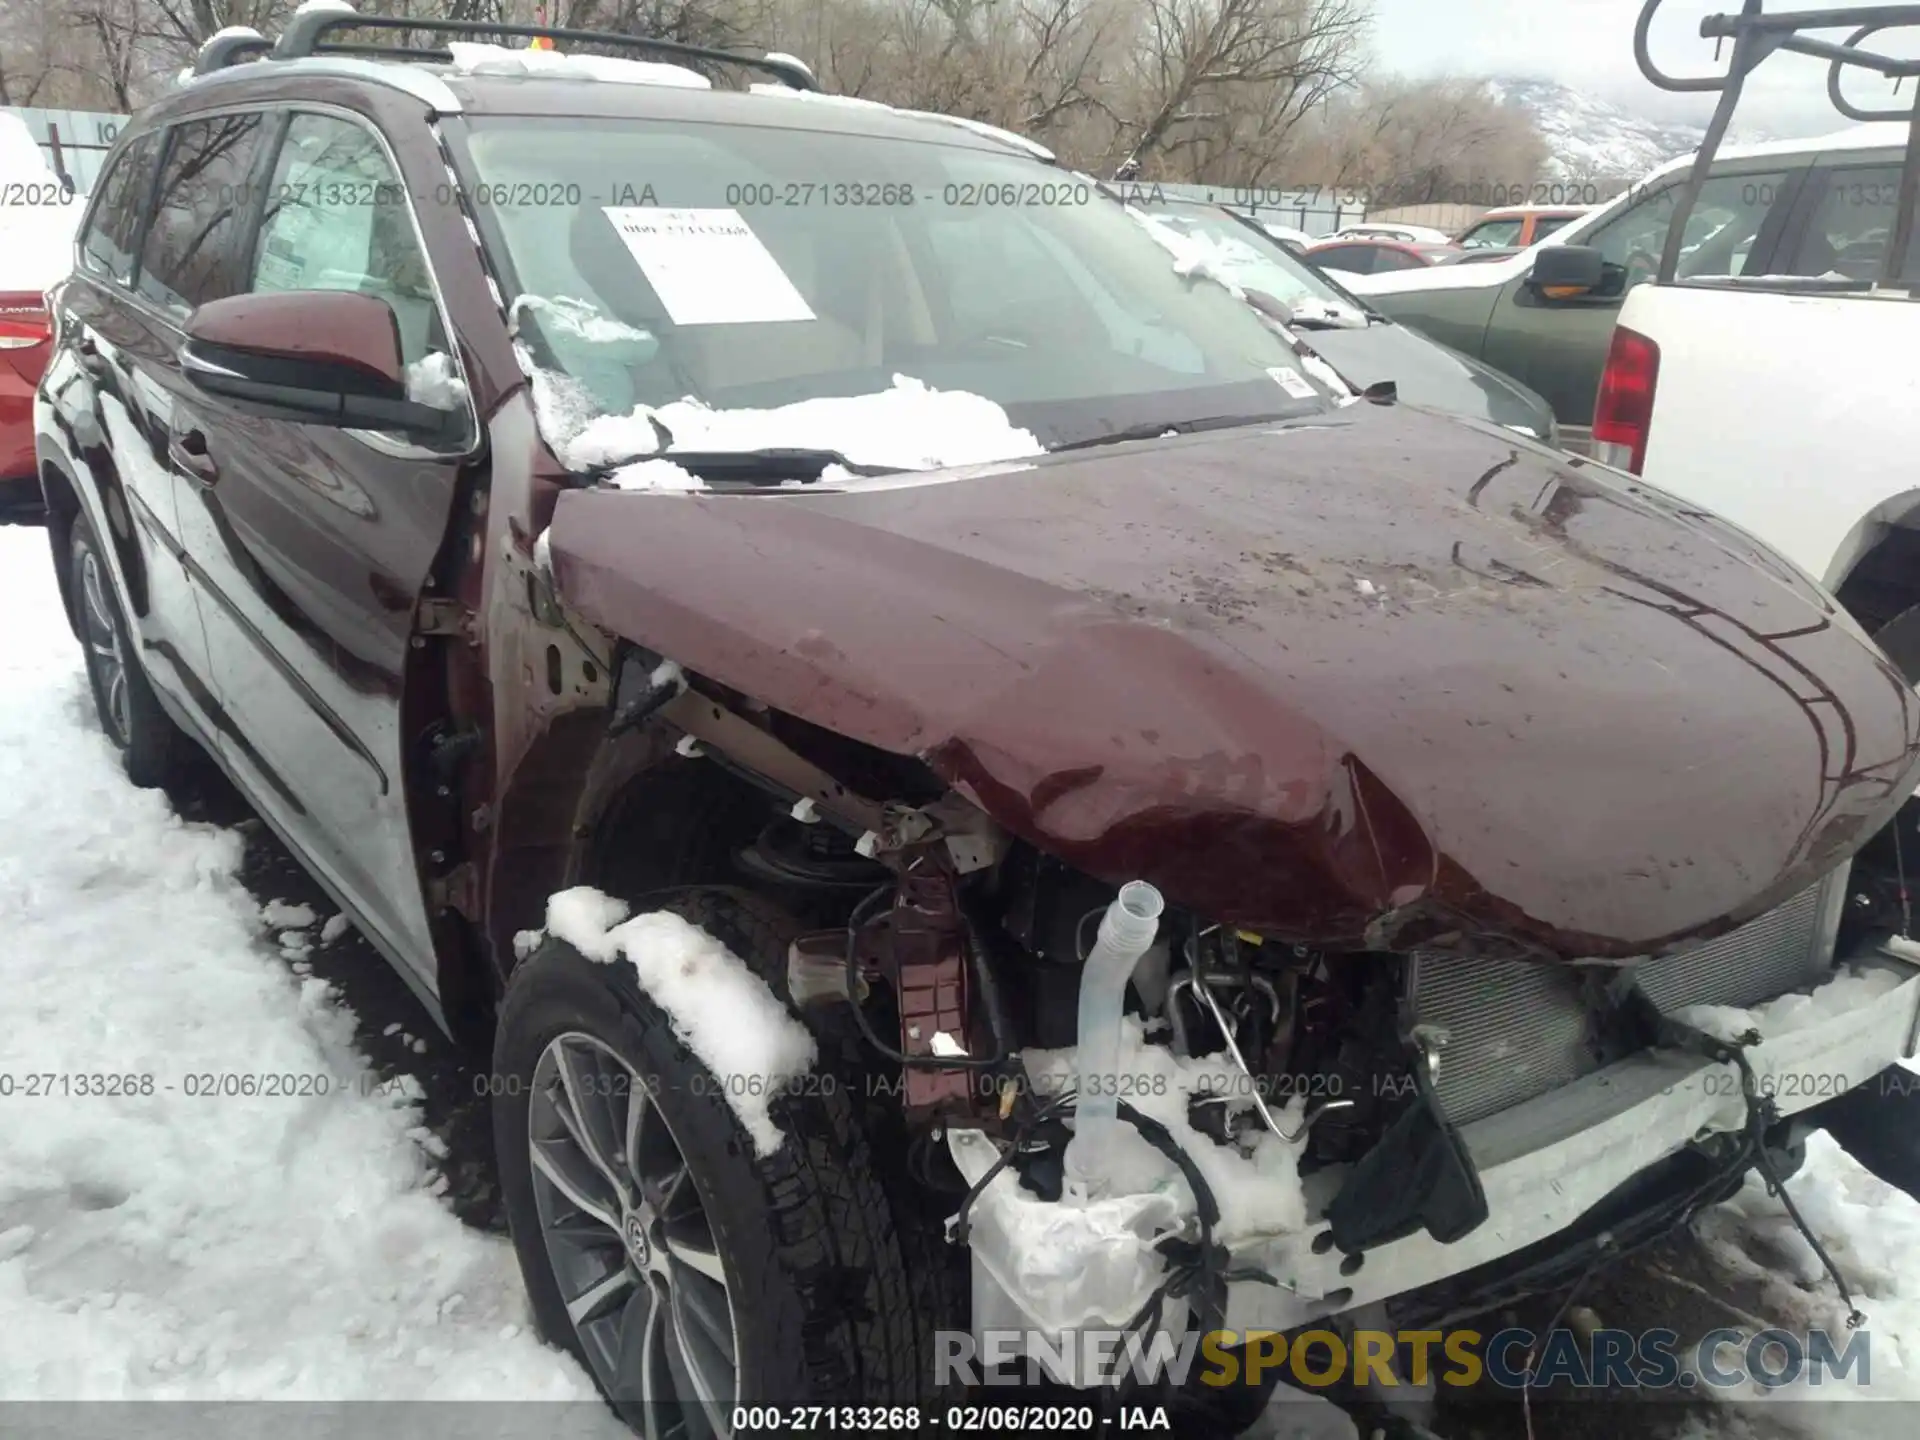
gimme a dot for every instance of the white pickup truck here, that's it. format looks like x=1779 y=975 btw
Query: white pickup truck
x=1790 y=405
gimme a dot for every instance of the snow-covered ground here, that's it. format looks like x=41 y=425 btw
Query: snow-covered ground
x=167 y=1245
x=192 y=1246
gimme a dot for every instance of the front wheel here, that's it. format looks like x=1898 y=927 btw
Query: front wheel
x=689 y=1273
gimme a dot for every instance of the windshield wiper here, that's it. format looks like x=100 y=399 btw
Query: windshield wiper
x=1153 y=430
x=753 y=467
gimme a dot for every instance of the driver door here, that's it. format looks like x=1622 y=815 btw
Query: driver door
x=315 y=543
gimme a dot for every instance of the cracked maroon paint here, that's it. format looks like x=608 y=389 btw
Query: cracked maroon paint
x=1392 y=680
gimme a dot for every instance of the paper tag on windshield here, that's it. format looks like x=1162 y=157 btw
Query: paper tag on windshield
x=707 y=266
x=1293 y=382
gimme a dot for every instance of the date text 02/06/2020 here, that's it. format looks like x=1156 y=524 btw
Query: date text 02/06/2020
x=829 y=1422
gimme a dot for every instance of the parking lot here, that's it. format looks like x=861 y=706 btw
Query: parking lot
x=875 y=722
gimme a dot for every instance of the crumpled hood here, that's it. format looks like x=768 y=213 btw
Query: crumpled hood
x=1387 y=679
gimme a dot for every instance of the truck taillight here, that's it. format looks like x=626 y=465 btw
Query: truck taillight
x=23 y=321
x=1623 y=409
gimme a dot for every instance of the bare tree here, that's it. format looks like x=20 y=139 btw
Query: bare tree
x=1413 y=143
x=1210 y=76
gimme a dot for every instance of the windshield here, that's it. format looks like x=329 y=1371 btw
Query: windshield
x=757 y=269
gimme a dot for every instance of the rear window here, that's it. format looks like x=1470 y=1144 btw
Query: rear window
x=106 y=249
x=1851 y=224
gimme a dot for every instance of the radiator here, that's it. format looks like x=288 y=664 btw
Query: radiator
x=1515 y=1030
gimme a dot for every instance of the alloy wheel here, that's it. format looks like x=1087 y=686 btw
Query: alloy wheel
x=632 y=1249
x=104 y=655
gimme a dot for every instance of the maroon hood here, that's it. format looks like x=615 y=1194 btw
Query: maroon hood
x=1387 y=680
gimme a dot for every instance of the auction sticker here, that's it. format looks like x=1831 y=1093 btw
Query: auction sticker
x=707 y=266
x=1293 y=382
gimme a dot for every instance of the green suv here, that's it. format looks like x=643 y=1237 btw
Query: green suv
x=1545 y=315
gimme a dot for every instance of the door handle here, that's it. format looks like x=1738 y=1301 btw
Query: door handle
x=188 y=451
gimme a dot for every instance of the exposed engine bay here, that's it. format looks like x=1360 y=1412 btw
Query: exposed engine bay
x=1266 y=1091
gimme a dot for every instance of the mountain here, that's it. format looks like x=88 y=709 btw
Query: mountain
x=1593 y=139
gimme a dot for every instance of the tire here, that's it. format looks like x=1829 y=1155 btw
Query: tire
x=149 y=743
x=1900 y=639
x=821 y=1305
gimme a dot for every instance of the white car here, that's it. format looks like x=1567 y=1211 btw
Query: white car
x=1294 y=240
x=1407 y=234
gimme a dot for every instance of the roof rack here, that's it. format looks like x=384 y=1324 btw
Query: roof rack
x=306 y=33
x=230 y=47
x=1757 y=37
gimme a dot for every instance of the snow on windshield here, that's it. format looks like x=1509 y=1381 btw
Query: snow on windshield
x=911 y=426
x=1193 y=255
x=1241 y=267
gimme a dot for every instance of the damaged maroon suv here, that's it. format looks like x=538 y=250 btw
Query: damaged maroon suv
x=968 y=782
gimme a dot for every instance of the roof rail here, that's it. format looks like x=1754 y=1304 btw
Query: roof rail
x=1757 y=37
x=306 y=31
x=233 y=46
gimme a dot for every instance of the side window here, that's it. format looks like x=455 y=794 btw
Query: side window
x=336 y=218
x=1545 y=225
x=1354 y=259
x=1385 y=258
x=1851 y=225
x=1719 y=236
x=199 y=209
x=1493 y=232
x=107 y=247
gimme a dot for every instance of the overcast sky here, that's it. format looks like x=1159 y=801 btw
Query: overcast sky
x=1588 y=44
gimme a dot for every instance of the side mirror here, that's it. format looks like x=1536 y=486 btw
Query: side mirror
x=313 y=357
x=1566 y=272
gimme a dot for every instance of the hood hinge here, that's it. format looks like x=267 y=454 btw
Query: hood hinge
x=447 y=618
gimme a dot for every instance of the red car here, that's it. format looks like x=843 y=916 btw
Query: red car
x=1376 y=257
x=38 y=215
x=24 y=336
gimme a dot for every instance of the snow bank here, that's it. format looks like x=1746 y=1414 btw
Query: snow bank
x=723 y=1012
x=159 y=1241
x=1873 y=1232
x=1854 y=990
x=472 y=58
x=37 y=228
x=909 y=427
x=279 y=915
